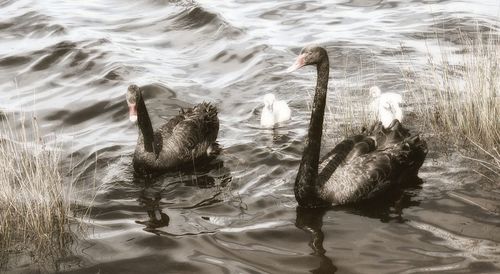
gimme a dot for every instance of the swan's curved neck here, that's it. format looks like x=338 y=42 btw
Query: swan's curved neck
x=306 y=184
x=145 y=126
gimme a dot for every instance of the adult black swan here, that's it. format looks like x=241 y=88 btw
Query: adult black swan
x=359 y=167
x=185 y=140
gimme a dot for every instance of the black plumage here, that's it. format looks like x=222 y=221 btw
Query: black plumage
x=358 y=168
x=185 y=140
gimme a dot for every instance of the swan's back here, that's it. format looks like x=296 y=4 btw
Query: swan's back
x=348 y=180
x=183 y=140
x=195 y=130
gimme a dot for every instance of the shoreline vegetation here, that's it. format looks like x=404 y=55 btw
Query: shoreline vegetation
x=453 y=100
x=37 y=212
x=457 y=99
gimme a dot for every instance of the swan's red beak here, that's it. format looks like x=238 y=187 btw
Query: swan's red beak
x=132 y=112
x=300 y=62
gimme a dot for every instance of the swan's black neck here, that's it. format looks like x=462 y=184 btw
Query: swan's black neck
x=306 y=185
x=145 y=126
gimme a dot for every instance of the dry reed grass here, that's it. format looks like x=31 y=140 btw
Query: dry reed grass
x=35 y=204
x=347 y=110
x=458 y=95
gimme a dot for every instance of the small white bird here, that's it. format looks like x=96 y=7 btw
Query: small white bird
x=274 y=111
x=386 y=106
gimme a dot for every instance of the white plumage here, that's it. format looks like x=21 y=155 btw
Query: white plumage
x=274 y=111
x=386 y=106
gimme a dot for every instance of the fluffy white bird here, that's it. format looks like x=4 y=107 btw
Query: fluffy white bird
x=274 y=111
x=386 y=106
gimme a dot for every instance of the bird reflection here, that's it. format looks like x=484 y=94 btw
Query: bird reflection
x=310 y=220
x=280 y=136
x=388 y=208
x=152 y=190
x=157 y=218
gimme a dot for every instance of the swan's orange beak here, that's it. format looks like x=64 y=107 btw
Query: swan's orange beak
x=300 y=62
x=132 y=111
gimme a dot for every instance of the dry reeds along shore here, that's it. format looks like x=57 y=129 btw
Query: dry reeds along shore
x=455 y=96
x=34 y=203
x=458 y=96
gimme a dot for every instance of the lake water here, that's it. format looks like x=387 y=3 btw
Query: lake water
x=70 y=62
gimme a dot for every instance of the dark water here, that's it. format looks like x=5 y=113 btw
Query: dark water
x=70 y=63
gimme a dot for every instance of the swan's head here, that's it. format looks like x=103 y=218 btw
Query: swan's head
x=375 y=91
x=310 y=55
x=133 y=94
x=269 y=100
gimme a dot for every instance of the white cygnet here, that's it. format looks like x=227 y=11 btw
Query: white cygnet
x=274 y=111
x=386 y=106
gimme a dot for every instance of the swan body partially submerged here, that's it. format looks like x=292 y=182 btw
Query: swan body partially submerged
x=184 y=140
x=386 y=106
x=274 y=111
x=361 y=166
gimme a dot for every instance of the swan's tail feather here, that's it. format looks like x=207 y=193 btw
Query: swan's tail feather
x=203 y=122
x=207 y=108
x=417 y=152
x=204 y=110
x=207 y=116
x=214 y=149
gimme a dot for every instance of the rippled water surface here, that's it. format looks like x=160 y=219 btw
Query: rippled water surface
x=70 y=62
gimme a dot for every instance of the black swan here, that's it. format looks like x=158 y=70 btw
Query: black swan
x=186 y=139
x=358 y=168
